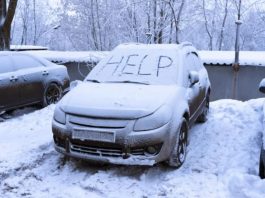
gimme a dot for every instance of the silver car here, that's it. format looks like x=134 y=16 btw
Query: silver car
x=135 y=107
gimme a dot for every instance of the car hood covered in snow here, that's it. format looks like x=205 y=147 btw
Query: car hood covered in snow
x=116 y=100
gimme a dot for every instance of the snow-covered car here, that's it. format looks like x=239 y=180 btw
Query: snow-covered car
x=135 y=107
x=262 y=150
x=27 y=80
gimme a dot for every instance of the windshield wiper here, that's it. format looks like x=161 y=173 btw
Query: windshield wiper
x=128 y=81
x=92 y=80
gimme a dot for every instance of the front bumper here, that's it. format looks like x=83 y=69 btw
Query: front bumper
x=128 y=148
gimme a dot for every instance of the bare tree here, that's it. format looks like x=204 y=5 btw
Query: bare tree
x=209 y=25
x=6 y=18
x=176 y=17
x=25 y=22
x=223 y=25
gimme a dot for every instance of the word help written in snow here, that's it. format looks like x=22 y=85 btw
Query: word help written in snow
x=136 y=64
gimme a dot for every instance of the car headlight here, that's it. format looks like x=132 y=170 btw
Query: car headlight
x=59 y=115
x=159 y=118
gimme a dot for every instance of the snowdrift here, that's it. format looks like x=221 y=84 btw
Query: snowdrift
x=222 y=161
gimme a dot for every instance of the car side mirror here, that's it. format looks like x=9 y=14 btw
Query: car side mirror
x=262 y=85
x=193 y=77
x=74 y=83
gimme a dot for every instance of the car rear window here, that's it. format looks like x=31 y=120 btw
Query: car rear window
x=5 y=65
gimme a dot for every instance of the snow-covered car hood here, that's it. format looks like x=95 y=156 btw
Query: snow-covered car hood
x=116 y=100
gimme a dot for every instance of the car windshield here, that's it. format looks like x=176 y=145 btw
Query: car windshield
x=139 y=66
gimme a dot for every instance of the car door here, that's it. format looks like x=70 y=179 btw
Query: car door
x=30 y=70
x=193 y=90
x=9 y=84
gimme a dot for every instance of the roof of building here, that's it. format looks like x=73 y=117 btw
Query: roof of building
x=255 y=58
x=70 y=56
x=208 y=57
x=26 y=47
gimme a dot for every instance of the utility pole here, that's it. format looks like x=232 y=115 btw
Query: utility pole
x=236 y=64
x=237 y=45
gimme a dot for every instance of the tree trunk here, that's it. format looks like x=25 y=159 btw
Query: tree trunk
x=206 y=23
x=176 y=18
x=155 y=21
x=160 y=32
x=35 y=23
x=223 y=26
x=93 y=30
x=6 y=18
x=99 y=26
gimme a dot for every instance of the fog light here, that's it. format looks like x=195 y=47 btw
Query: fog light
x=151 y=150
x=59 y=141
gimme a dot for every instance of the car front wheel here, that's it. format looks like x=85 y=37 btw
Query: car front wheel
x=178 y=154
x=53 y=94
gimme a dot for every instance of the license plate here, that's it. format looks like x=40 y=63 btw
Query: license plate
x=104 y=136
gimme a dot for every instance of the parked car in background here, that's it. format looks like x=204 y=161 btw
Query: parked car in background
x=135 y=107
x=262 y=150
x=27 y=80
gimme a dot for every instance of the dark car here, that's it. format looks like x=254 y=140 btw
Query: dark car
x=262 y=150
x=135 y=107
x=27 y=80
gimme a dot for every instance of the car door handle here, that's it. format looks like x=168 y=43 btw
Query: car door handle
x=44 y=73
x=13 y=78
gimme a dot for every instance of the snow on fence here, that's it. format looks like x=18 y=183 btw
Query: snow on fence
x=217 y=63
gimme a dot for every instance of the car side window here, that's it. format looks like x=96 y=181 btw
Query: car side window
x=197 y=62
x=191 y=64
x=5 y=65
x=25 y=62
x=194 y=62
x=188 y=64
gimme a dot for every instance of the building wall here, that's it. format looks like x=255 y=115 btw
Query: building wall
x=223 y=80
x=245 y=82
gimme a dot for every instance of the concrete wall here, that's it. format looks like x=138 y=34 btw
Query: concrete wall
x=245 y=82
x=222 y=79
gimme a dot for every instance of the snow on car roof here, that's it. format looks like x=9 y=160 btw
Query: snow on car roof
x=71 y=56
x=153 y=46
x=256 y=58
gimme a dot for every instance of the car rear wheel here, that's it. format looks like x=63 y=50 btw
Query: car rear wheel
x=53 y=94
x=178 y=154
x=261 y=167
x=203 y=116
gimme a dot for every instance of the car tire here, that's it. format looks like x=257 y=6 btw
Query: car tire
x=178 y=154
x=53 y=93
x=261 y=167
x=203 y=116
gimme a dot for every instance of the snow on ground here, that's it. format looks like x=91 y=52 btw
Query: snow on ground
x=222 y=161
